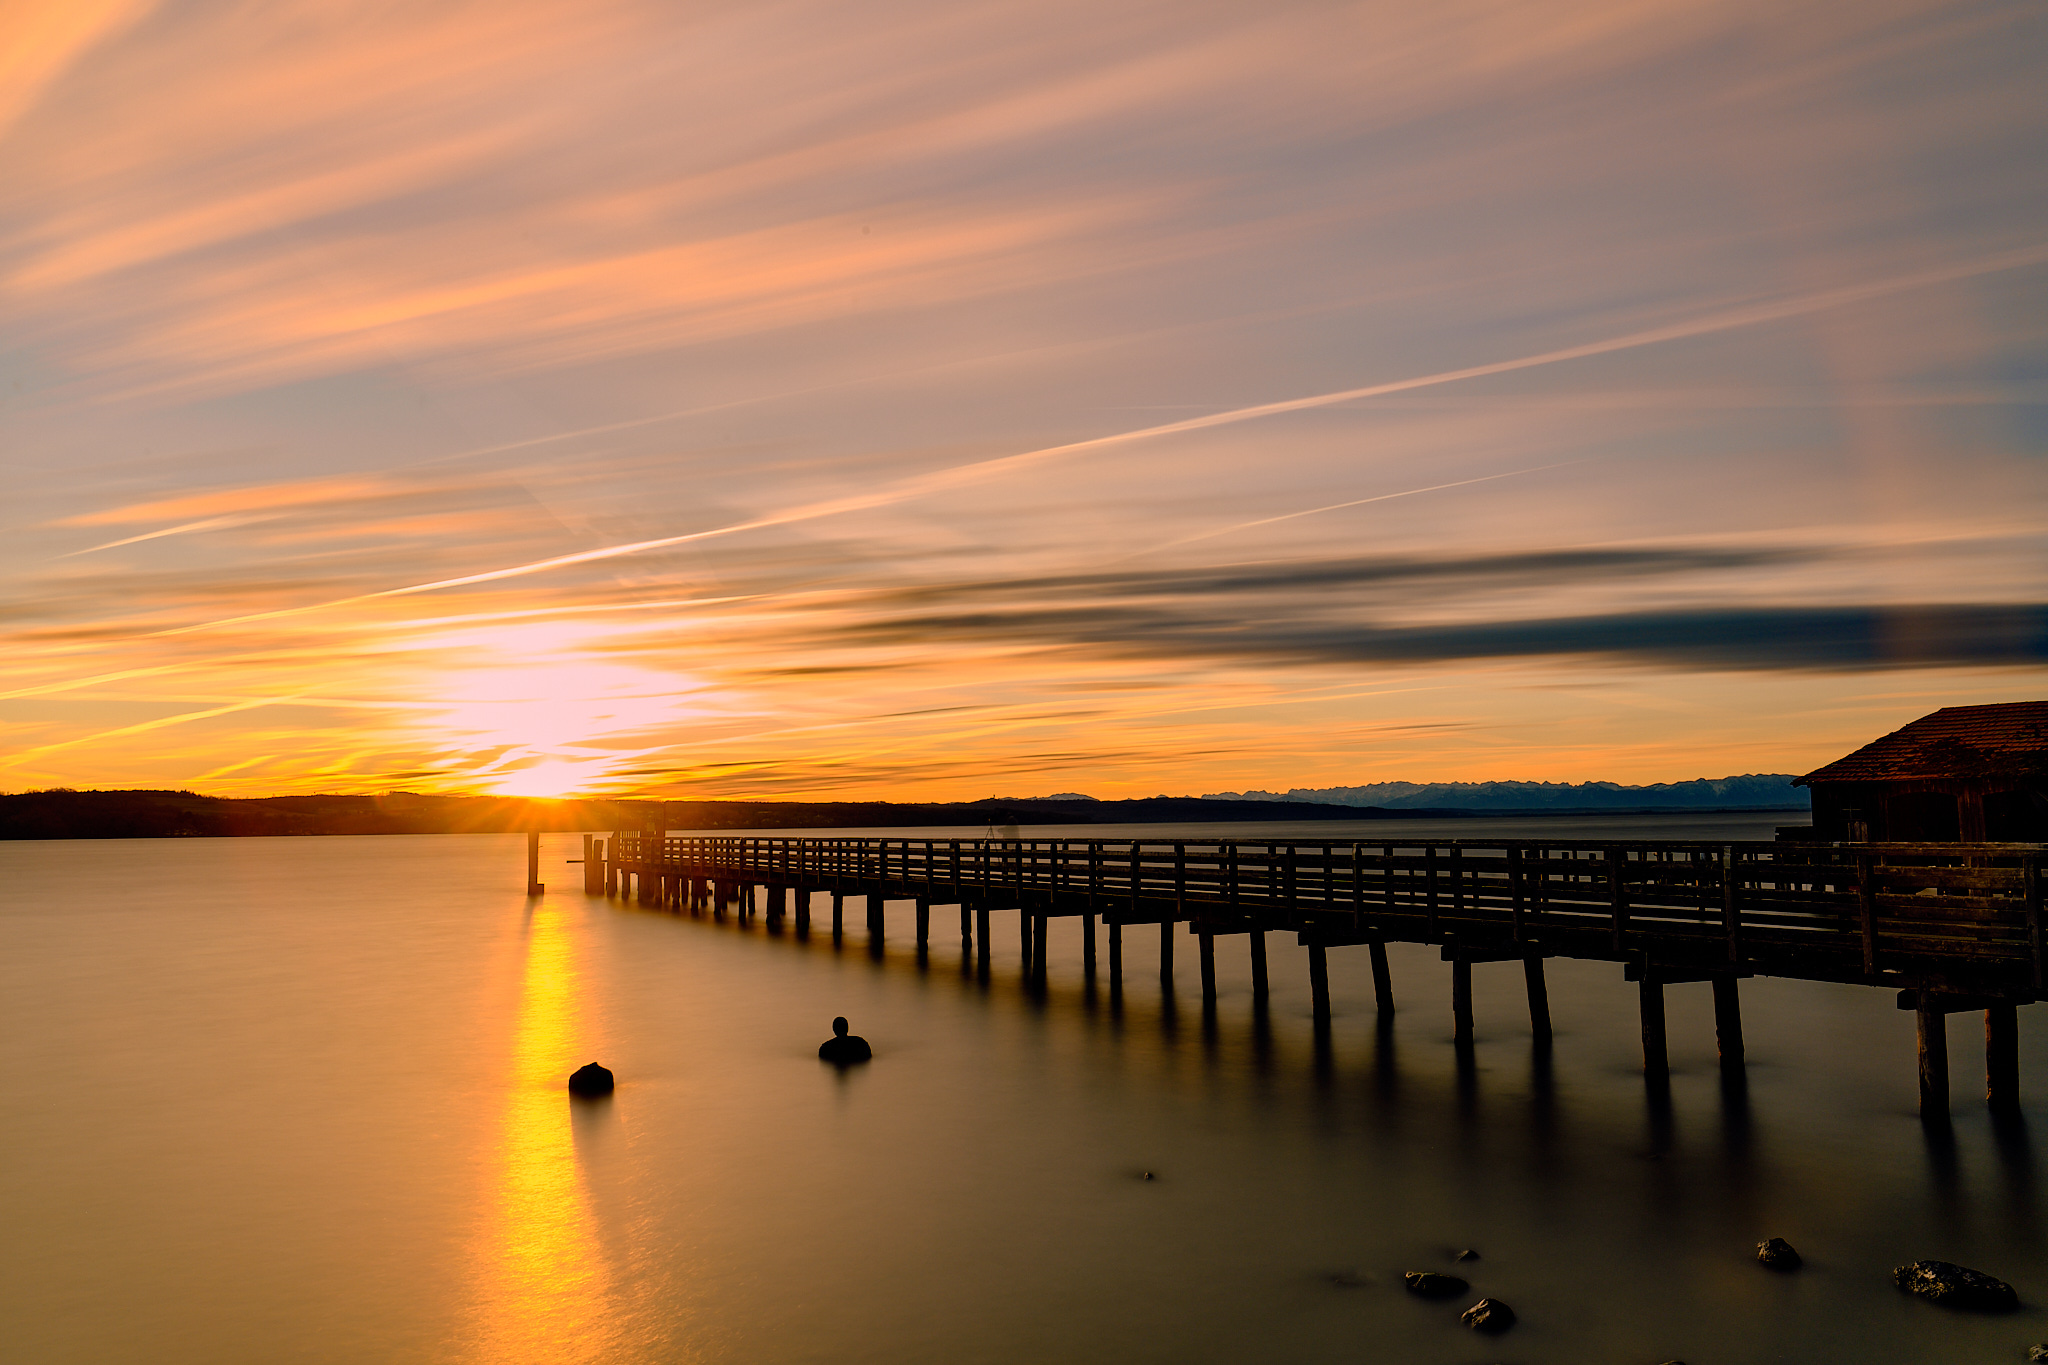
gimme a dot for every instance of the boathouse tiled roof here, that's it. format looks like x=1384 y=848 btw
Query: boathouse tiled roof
x=2008 y=739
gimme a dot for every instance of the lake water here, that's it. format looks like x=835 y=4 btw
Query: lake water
x=302 y=1100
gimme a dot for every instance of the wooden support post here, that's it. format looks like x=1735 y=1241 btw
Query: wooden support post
x=1166 y=954
x=778 y=903
x=1933 y=1040
x=876 y=912
x=1038 y=951
x=924 y=927
x=1539 y=999
x=1319 y=984
x=1866 y=907
x=533 y=883
x=1461 y=1003
x=1116 y=957
x=611 y=865
x=981 y=938
x=966 y=927
x=1024 y=944
x=589 y=869
x=1382 y=980
x=803 y=912
x=838 y=913
x=1257 y=940
x=1656 y=1061
x=1088 y=949
x=1728 y=1019
x=1207 y=945
x=2002 y=1057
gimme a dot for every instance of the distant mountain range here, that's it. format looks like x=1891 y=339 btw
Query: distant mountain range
x=1750 y=791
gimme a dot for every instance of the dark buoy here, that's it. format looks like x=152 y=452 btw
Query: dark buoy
x=591 y=1079
x=842 y=1048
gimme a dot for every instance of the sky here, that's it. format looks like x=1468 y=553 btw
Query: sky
x=930 y=401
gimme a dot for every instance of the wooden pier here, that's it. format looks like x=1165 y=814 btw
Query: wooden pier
x=1951 y=927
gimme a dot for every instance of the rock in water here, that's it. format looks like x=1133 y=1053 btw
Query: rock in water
x=591 y=1079
x=1468 y=1254
x=1956 y=1286
x=1489 y=1315
x=1431 y=1285
x=2037 y=1354
x=1777 y=1254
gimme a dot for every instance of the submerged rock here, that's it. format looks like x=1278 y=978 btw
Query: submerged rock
x=1488 y=1315
x=1468 y=1254
x=1955 y=1286
x=2037 y=1354
x=1431 y=1285
x=591 y=1079
x=1777 y=1254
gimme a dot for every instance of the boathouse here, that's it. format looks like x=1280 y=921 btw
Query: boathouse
x=1965 y=773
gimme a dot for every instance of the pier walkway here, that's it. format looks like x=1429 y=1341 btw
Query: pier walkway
x=1951 y=927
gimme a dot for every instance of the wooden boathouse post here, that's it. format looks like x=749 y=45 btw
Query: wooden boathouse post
x=1539 y=999
x=1206 y=943
x=1933 y=1053
x=1319 y=984
x=1650 y=995
x=533 y=882
x=1256 y=939
x=1461 y=1002
x=1382 y=980
x=1728 y=1018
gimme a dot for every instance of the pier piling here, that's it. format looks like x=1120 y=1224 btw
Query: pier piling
x=1256 y=940
x=1206 y=945
x=1650 y=994
x=1088 y=949
x=1539 y=999
x=1166 y=954
x=533 y=883
x=1728 y=1019
x=2002 y=1057
x=1319 y=984
x=1933 y=1049
x=1382 y=980
x=1461 y=1002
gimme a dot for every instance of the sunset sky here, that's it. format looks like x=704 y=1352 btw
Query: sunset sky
x=932 y=401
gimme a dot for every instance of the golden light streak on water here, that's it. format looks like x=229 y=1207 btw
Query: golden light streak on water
x=544 y=1289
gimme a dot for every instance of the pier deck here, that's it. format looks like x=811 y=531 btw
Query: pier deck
x=1952 y=927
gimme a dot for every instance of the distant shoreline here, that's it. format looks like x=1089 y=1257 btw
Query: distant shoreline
x=170 y=814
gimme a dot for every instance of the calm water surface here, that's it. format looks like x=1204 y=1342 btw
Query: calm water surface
x=302 y=1100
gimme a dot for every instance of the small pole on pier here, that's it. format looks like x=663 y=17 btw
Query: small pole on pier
x=1539 y=999
x=2002 y=1057
x=1319 y=984
x=1257 y=939
x=1088 y=949
x=533 y=883
x=1656 y=1062
x=1461 y=1003
x=1933 y=1041
x=1728 y=1019
x=1166 y=953
x=1207 y=944
x=924 y=928
x=1382 y=980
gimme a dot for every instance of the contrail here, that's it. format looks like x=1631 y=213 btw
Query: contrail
x=924 y=485
x=1340 y=506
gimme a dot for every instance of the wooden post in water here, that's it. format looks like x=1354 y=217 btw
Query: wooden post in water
x=589 y=869
x=1038 y=951
x=1319 y=984
x=1728 y=1019
x=1024 y=939
x=1461 y=1003
x=1539 y=999
x=1382 y=980
x=1165 y=953
x=1088 y=949
x=1116 y=959
x=611 y=865
x=2002 y=1057
x=803 y=913
x=838 y=914
x=924 y=927
x=533 y=882
x=1207 y=944
x=1650 y=992
x=1933 y=1042
x=981 y=937
x=1257 y=942
x=966 y=927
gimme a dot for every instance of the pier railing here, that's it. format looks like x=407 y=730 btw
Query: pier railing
x=1833 y=911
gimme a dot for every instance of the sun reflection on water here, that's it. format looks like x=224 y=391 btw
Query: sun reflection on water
x=543 y=1288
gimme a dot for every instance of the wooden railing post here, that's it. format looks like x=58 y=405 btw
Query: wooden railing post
x=1866 y=905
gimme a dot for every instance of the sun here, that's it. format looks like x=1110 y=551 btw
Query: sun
x=549 y=779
